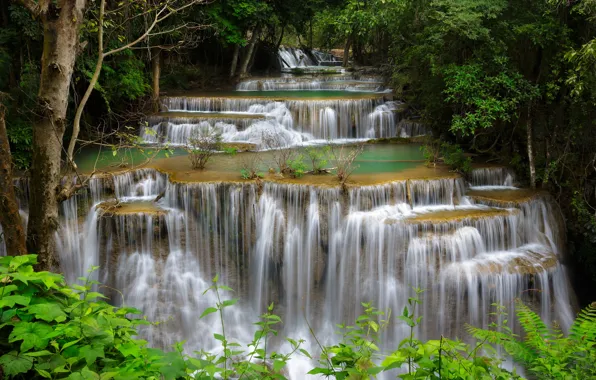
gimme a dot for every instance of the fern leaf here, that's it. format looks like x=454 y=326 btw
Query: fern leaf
x=584 y=326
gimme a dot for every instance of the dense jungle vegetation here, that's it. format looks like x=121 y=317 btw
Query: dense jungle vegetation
x=510 y=81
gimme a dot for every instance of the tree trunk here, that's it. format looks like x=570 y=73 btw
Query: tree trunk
x=252 y=59
x=347 y=51
x=251 y=48
x=531 y=149
x=61 y=27
x=12 y=226
x=156 y=74
x=234 y=60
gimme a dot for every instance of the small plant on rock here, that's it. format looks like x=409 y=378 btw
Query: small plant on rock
x=344 y=157
x=319 y=158
x=202 y=144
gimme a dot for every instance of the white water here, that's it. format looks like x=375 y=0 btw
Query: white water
x=316 y=254
x=292 y=58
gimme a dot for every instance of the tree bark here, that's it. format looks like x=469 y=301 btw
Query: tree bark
x=234 y=60
x=61 y=25
x=251 y=48
x=156 y=74
x=10 y=219
x=347 y=51
x=531 y=149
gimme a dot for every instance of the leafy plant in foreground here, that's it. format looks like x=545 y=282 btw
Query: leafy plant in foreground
x=442 y=358
x=545 y=351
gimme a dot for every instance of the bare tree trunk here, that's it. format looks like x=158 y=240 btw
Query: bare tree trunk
x=251 y=48
x=234 y=61
x=156 y=74
x=252 y=59
x=531 y=149
x=10 y=219
x=61 y=27
x=347 y=51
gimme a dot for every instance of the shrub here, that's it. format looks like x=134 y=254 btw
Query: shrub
x=296 y=167
x=319 y=157
x=454 y=156
x=202 y=144
x=434 y=151
x=546 y=352
x=344 y=157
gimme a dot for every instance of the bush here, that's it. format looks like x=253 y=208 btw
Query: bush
x=55 y=331
x=319 y=157
x=434 y=151
x=202 y=144
x=546 y=352
x=454 y=156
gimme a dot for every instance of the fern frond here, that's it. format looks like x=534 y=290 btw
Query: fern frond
x=584 y=326
x=510 y=342
x=537 y=332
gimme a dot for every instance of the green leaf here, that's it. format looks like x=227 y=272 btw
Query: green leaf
x=48 y=312
x=33 y=335
x=92 y=352
x=12 y=364
x=231 y=302
x=208 y=311
x=10 y=301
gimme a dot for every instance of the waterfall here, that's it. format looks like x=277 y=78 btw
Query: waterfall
x=291 y=58
x=305 y=119
x=492 y=176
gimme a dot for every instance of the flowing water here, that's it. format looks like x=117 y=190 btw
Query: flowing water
x=317 y=252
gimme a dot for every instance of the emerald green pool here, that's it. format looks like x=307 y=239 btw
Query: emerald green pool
x=375 y=158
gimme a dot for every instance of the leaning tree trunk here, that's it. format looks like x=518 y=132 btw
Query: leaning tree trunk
x=347 y=51
x=10 y=219
x=531 y=149
x=234 y=60
x=61 y=27
x=249 y=52
x=156 y=74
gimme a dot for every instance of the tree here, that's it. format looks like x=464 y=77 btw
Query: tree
x=156 y=14
x=61 y=22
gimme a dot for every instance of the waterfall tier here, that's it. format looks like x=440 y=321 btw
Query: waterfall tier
x=315 y=251
x=294 y=121
x=292 y=58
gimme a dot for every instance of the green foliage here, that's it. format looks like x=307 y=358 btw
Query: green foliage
x=55 y=331
x=319 y=158
x=296 y=166
x=431 y=151
x=480 y=99
x=454 y=156
x=440 y=359
x=51 y=330
x=545 y=351
x=435 y=151
x=354 y=357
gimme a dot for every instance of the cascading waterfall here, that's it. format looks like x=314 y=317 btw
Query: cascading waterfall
x=492 y=176
x=316 y=252
x=310 y=84
x=306 y=117
x=291 y=58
